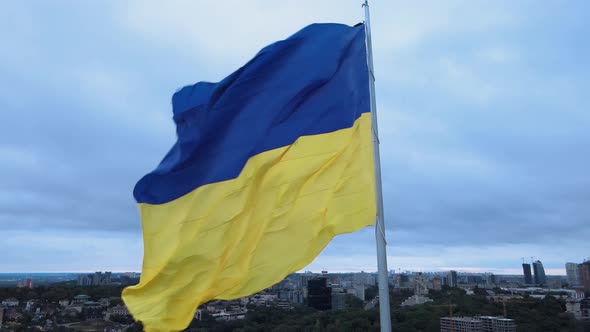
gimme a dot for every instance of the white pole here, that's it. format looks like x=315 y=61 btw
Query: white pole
x=383 y=279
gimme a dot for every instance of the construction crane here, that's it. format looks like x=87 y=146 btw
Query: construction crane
x=450 y=306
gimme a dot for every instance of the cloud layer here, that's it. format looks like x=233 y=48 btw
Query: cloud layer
x=483 y=116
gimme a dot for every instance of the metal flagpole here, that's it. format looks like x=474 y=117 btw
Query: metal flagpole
x=383 y=280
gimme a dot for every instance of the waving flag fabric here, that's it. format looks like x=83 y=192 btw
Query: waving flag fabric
x=270 y=164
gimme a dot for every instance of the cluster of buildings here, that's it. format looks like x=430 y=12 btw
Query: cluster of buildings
x=87 y=309
x=578 y=275
x=326 y=291
x=11 y=310
x=330 y=292
x=577 y=295
x=107 y=278
x=67 y=311
x=96 y=279
x=223 y=310
x=500 y=289
x=477 y=324
x=322 y=291
x=436 y=280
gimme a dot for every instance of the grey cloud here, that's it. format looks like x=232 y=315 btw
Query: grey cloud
x=483 y=133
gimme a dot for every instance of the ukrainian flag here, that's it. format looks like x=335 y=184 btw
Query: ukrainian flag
x=270 y=164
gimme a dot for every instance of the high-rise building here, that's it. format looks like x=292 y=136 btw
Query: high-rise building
x=436 y=284
x=97 y=279
x=472 y=279
x=540 y=278
x=319 y=295
x=28 y=283
x=338 y=301
x=452 y=278
x=573 y=274
x=420 y=285
x=403 y=280
x=585 y=276
x=359 y=292
x=528 y=276
x=296 y=296
x=490 y=279
x=85 y=280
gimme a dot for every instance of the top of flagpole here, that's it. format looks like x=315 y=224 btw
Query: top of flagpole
x=369 y=42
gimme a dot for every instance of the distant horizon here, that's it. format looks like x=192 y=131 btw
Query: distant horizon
x=508 y=272
x=481 y=108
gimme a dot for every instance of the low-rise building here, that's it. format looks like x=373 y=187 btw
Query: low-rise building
x=119 y=310
x=12 y=314
x=477 y=324
x=104 y=302
x=92 y=311
x=225 y=315
x=80 y=299
x=497 y=324
x=10 y=302
x=460 y=324
x=415 y=300
x=263 y=299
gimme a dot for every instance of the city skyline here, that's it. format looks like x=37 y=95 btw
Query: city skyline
x=440 y=270
x=482 y=113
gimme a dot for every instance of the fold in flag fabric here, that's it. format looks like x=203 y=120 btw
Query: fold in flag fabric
x=269 y=165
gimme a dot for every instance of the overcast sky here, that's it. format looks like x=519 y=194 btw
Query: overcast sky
x=483 y=110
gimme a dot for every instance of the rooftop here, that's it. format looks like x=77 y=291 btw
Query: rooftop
x=82 y=296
